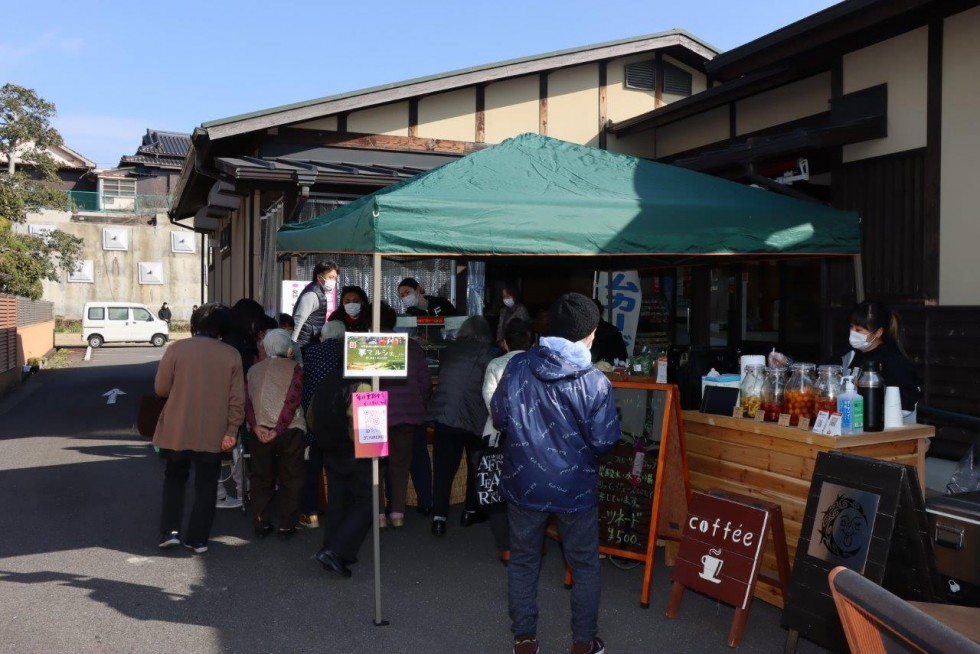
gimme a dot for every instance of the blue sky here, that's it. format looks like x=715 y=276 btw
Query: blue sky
x=115 y=69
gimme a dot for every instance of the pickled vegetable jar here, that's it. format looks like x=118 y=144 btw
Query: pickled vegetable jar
x=828 y=389
x=800 y=394
x=773 y=393
x=750 y=392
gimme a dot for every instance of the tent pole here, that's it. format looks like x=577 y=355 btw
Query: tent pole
x=858 y=278
x=379 y=621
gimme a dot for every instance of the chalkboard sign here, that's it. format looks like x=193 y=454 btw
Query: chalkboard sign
x=625 y=498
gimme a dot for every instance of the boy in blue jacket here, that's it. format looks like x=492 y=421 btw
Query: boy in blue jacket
x=559 y=416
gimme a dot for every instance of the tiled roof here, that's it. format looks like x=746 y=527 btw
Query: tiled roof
x=167 y=144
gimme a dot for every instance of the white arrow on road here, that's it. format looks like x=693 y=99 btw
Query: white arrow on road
x=112 y=395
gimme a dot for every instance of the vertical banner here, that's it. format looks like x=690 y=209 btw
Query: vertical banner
x=621 y=299
x=370 y=424
x=290 y=293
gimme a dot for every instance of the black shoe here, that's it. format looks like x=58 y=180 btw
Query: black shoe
x=470 y=518
x=332 y=562
x=424 y=510
x=438 y=527
x=263 y=531
x=286 y=534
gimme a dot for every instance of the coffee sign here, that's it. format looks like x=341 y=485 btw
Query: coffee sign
x=721 y=548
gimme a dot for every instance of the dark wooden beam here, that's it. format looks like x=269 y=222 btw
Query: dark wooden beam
x=543 y=104
x=603 y=106
x=341 y=123
x=658 y=84
x=481 y=121
x=413 y=117
x=732 y=121
x=377 y=141
x=933 y=162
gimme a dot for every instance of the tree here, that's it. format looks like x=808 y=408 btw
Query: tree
x=26 y=134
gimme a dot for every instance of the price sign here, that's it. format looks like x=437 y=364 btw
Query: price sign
x=784 y=420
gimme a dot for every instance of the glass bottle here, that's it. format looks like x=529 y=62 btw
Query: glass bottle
x=773 y=391
x=800 y=394
x=750 y=392
x=828 y=389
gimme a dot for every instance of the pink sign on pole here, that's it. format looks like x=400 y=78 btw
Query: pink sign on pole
x=370 y=424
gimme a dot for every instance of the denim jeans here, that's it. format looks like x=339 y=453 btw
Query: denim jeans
x=580 y=543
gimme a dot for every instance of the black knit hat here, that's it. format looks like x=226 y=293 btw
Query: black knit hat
x=573 y=316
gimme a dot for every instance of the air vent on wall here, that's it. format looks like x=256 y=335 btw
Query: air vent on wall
x=677 y=81
x=641 y=75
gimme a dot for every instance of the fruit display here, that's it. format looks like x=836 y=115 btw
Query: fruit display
x=773 y=393
x=800 y=394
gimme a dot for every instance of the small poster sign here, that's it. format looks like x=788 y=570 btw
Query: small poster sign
x=291 y=290
x=375 y=355
x=370 y=424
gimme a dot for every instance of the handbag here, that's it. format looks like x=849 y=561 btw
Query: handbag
x=488 y=464
x=150 y=409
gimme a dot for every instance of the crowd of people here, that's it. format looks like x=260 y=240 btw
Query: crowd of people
x=277 y=388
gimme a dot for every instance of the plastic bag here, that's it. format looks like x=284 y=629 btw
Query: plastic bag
x=966 y=477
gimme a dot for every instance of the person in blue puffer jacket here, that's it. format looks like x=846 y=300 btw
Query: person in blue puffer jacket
x=558 y=414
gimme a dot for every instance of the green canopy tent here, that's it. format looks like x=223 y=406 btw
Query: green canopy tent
x=534 y=195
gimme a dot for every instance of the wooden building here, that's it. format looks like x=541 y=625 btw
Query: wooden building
x=880 y=100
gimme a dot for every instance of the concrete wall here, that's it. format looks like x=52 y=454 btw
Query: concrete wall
x=960 y=198
x=901 y=63
x=34 y=341
x=511 y=108
x=116 y=275
x=449 y=115
x=390 y=119
x=573 y=104
x=797 y=100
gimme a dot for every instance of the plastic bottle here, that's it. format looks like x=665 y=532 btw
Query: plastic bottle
x=850 y=404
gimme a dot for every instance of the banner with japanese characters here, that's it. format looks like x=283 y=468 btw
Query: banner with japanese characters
x=621 y=300
x=375 y=355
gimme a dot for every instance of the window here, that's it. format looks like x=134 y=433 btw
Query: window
x=641 y=75
x=118 y=186
x=118 y=313
x=96 y=313
x=142 y=314
x=677 y=81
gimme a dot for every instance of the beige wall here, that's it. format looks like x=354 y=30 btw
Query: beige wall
x=34 y=341
x=623 y=103
x=573 y=104
x=511 y=108
x=781 y=105
x=390 y=119
x=636 y=145
x=449 y=115
x=116 y=271
x=327 y=122
x=698 y=81
x=960 y=198
x=702 y=129
x=901 y=63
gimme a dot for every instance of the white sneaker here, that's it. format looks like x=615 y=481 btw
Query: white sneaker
x=229 y=502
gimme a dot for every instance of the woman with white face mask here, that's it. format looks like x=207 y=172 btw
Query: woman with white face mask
x=512 y=309
x=875 y=340
x=416 y=303
x=354 y=310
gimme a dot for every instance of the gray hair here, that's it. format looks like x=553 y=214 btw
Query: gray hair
x=332 y=329
x=277 y=342
x=475 y=328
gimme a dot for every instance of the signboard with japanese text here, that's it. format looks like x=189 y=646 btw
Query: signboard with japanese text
x=625 y=498
x=722 y=548
x=370 y=424
x=291 y=290
x=621 y=299
x=375 y=355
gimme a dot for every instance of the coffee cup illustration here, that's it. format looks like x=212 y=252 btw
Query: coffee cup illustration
x=712 y=566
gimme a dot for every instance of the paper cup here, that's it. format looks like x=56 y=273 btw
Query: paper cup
x=893 y=397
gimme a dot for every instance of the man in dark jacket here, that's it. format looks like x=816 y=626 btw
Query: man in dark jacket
x=559 y=416
x=315 y=302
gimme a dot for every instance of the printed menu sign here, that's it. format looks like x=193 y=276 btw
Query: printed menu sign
x=370 y=424
x=721 y=548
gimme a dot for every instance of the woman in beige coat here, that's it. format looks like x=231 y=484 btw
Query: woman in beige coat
x=202 y=379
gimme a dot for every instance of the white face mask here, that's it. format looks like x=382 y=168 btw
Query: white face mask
x=508 y=302
x=353 y=309
x=860 y=341
x=330 y=284
x=410 y=300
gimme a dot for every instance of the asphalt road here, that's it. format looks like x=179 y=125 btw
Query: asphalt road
x=80 y=570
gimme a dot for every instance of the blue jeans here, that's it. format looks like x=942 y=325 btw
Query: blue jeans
x=580 y=543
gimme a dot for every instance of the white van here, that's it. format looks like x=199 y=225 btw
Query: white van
x=122 y=322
